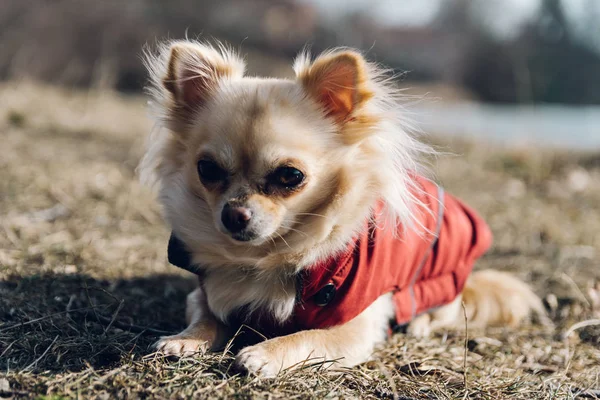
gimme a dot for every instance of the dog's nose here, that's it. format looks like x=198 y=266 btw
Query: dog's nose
x=235 y=219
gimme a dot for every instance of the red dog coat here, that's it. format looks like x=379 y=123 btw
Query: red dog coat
x=423 y=270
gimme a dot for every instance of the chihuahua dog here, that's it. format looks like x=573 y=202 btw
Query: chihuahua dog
x=301 y=207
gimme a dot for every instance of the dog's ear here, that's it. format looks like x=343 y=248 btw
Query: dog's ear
x=194 y=71
x=337 y=80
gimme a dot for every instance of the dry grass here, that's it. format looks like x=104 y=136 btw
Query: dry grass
x=85 y=287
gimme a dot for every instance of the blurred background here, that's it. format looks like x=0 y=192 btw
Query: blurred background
x=514 y=70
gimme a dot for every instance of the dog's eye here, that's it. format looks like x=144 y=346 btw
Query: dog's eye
x=288 y=177
x=210 y=172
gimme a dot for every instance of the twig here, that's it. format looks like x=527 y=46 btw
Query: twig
x=33 y=321
x=133 y=328
x=574 y=285
x=130 y=327
x=308 y=363
x=579 y=325
x=87 y=294
x=114 y=316
x=229 y=344
x=106 y=292
x=8 y=347
x=466 y=349
x=30 y=366
x=72 y=299
x=389 y=378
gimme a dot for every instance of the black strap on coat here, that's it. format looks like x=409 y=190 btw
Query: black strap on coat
x=179 y=255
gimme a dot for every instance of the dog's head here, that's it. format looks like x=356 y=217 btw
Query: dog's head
x=251 y=163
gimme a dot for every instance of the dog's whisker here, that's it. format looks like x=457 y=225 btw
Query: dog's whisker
x=273 y=241
x=298 y=231
x=315 y=215
x=293 y=222
x=284 y=241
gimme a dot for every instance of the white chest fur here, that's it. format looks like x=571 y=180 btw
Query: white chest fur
x=229 y=289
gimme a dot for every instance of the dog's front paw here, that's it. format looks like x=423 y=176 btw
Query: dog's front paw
x=181 y=345
x=259 y=360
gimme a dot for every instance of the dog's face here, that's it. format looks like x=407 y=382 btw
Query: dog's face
x=256 y=159
x=254 y=162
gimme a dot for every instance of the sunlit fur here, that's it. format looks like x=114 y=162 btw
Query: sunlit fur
x=349 y=166
x=341 y=122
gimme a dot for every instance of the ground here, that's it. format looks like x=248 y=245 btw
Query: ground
x=85 y=287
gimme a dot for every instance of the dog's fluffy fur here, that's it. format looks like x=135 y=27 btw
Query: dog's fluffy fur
x=338 y=123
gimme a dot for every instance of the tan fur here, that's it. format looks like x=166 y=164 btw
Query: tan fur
x=339 y=123
x=200 y=334
x=348 y=344
x=490 y=298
